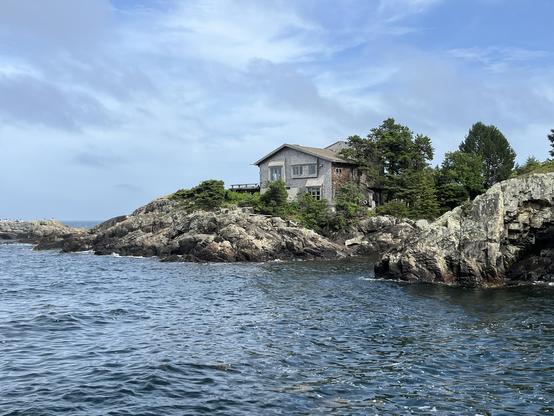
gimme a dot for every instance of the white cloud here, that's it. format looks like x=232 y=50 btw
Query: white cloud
x=499 y=59
x=200 y=89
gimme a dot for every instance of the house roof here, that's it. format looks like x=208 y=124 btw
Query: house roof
x=325 y=154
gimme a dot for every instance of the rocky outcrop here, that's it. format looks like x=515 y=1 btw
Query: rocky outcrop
x=162 y=228
x=33 y=232
x=504 y=236
x=379 y=234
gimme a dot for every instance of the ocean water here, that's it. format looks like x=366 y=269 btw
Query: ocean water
x=88 y=335
x=81 y=224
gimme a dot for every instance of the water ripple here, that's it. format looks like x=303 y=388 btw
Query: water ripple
x=88 y=335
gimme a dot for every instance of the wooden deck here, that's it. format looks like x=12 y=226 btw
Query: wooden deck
x=245 y=187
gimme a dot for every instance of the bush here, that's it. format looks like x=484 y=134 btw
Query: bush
x=243 y=199
x=348 y=205
x=208 y=194
x=532 y=165
x=397 y=209
x=313 y=214
x=274 y=200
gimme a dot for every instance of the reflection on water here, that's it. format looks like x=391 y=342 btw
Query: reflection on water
x=82 y=334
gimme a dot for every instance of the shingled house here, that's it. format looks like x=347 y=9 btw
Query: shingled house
x=319 y=172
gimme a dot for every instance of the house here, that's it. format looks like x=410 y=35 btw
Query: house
x=318 y=171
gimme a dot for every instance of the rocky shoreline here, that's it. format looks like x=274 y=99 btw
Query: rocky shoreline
x=163 y=229
x=504 y=236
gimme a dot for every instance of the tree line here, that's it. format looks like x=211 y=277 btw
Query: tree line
x=398 y=162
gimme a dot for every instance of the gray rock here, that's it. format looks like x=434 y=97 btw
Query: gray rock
x=45 y=232
x=504 y=236
x=378 y=234
x=162 y=228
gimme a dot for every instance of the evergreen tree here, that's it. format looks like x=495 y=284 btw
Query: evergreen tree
x=419 y=193
x=313 y=213
x=274 y=200
x=495 y=150
x=459 y=178
x=399 y=162
x=551 y=139
x=348 y=205
x=532 y=164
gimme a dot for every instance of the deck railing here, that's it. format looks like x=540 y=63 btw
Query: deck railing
x=245 y=187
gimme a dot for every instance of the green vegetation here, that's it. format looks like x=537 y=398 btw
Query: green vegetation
x=459 y=179
x=243 y=199
x=206 y=195
x=495 y=150
x=349 y=207
x=532 y=165
x=396 y=160
x=397 y=209
x=274 y=200
x=312 y=214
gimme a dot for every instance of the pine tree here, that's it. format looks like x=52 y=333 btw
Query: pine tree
x=459 y=178
x=495 y=150
x=274 y=201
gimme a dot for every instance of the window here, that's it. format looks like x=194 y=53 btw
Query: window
x=303 y=171
x=315 y=192
x=275 y=173
x=338 y=170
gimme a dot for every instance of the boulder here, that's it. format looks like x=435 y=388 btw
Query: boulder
x=378 y=234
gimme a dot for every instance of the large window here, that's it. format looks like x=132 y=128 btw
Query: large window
x=275 y=173
x=304 y=171
x=315 y=192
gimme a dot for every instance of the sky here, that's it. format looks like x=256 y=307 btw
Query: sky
x=105 y=105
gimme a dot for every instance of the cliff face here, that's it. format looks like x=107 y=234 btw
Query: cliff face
x=161 y=228
x=503 y=236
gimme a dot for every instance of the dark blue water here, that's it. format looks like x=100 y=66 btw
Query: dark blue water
x=87 y=335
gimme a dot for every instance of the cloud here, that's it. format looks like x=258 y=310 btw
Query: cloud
x=57 y=23
x=26 y=99
x=499 y=59
x=149 y=97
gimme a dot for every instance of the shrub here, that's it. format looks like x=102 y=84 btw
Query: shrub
x=208 y=194
x=243 y=199
x=532 y=165
x=274 y=200
x=397 y=209
x=348 y=205
x=313 y=213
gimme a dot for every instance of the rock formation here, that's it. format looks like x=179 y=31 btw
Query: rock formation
x=379 y=234
x=33 y=232
x=162 y=228
x=504 y=236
